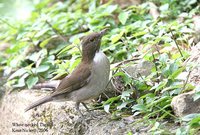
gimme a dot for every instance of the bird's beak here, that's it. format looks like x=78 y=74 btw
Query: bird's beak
x=103 y=32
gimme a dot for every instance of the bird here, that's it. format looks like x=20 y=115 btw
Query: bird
x=88 y=80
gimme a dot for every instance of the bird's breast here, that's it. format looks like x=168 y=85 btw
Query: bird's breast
x=100 y=70
x=98 y=81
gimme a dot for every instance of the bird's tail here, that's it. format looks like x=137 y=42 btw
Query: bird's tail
x=39 y=102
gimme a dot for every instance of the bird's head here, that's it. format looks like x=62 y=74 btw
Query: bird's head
x=91 y=44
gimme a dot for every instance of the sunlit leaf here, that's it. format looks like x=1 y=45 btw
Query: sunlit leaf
x=139 y=107
x=126 y=94
x=45 y=42
x=18 y=73
x=196 y=96
x=42 y=68
x=31 y=81
x=122 y=105
x=123 y=16
x=117 y=37
x=190 y=116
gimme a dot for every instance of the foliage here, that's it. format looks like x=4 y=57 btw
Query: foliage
x=46 y=46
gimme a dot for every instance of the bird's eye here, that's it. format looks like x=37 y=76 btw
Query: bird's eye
x=92 y=40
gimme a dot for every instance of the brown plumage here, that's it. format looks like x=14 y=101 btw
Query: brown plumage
x=78 y=85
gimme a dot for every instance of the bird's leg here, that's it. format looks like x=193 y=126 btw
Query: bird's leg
x=88 y=110
x=80 y=113
x=78 y=110
x=85 y=106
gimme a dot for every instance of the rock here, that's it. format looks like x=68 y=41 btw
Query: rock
x=194 y=59
x=196 y=21
x=46 y=118
x=184 y=104
x=143 y=68
x=116 y=86
x=57 y=118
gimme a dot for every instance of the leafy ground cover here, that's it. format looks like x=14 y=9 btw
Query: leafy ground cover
x=46 y=45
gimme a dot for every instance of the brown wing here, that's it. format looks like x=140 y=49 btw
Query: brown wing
x=77 y=79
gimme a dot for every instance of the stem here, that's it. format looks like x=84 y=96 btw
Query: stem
x=154 y=59
x=56 y=31
x=124 y=62
x=111 y=78
x=143 y=79
x=173 y=37
x=8 y=23
x=186 y=81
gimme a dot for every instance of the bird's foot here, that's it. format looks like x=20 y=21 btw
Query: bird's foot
x=92 y=115
x=81 y=122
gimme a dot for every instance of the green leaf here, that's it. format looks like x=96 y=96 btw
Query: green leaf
x=66 y=49
x=190 y=2
x=172 y=87
x=20 y=83
x=45 y=42
x=126 y=94
x=18 y=73
x=182 y=131
x=189 y=117
x=42 y=32
x=129 y=133
x=119 y=74
x=140 y=33
x=123 y=16
x=159 y=86
x=122 y=105
x=111 y=100
x=42 y=68
x=139 y=107
x=117 y=37
x=31 y=81
x=111 y=8
x=164 y=7
x=163 y=99
x=35 y=56
x=195 y=122
x=173 y=67
x=196 y=96
x=164 y=58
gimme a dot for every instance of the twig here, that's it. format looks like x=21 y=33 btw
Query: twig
x=142 y=79
x=186 y=80
x=154 y=59
x=56 y=31
x=106 y=95
x=134 y=78
x=173 y=37
x=124 y=62
x=111 y=77
x=163 y=109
